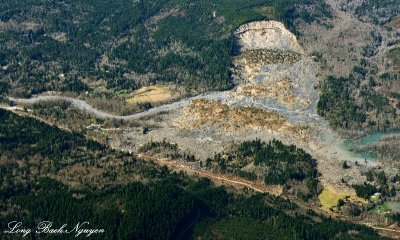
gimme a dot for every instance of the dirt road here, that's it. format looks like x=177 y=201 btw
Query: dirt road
x=221 y=178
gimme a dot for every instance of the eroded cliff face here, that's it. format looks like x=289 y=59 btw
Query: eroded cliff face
x=266 y=35
x=269 y=54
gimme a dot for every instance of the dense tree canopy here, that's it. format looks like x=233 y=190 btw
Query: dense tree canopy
x=162 y=207
x=62 y=45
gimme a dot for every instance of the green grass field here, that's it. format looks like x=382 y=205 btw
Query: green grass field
x=329 y=198
x=381 y=209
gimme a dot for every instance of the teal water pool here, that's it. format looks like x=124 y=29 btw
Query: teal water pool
x=350 y=145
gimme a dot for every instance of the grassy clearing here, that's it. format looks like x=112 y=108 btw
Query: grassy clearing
x=381 y=209
x=329 y=197
x=151 y=94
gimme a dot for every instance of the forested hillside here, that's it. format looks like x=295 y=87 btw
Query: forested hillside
x=365 y=99
x=274 y=163
x=379 y=12
x=156 y=204
x=78 y=46
x=353 y=103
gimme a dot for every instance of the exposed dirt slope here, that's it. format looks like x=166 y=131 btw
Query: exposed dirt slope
x=266 y=35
